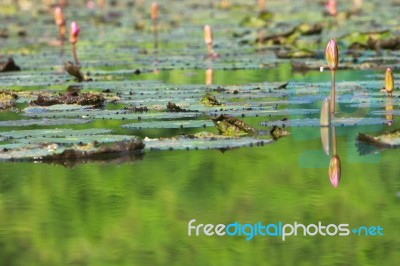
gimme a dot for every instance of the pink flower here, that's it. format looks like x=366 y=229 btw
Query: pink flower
x=59 y=16
x=74 y=32
x=154 y=11
x=332 y=54
x=331 y=7
x=335 y=170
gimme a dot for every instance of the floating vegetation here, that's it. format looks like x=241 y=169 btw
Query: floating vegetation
x=95 y=100
x=9 y=65
x=231 y=126
x=7 y=99
x=278 y=132
x=210 y=100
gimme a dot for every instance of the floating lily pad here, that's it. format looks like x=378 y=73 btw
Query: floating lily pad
x=76 y=139
x=315 y=122
x=52 y=133
x=114 y=115
x=185 y=143
x=267 y=112
x=44 y=122
x=170 y=124
x=55 y=108
x=52 y=151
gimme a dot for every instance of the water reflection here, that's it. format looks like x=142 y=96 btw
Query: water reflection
x=209 y=76
x=389 y=112
x=328 y=138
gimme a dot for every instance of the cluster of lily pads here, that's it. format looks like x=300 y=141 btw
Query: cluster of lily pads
x=186 y=117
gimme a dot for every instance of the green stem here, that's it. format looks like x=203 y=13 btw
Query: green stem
x=74 y=54
x=155 y=33
x=333 y=96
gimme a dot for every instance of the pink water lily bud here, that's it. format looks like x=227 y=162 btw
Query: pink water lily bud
x=331 y=7
x=261 y=5
x=332 y=55
x=208 y=38
x=389 y=81
x=154 y=11
x=358 y=3
x=335 y=171
x=74 y=32
x=59 y=16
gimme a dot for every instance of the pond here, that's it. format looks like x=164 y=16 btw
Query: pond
x=135 y=208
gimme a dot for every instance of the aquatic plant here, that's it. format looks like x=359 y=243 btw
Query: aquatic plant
x=332 y=57
x=59 y=19
x=389 y=81
x=73 y=39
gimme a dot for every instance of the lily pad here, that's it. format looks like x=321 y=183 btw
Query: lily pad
x=201 y=143
x=52 y=151
x=77 y=139
x=43 y=122
x=315 y=122
x=52 y=133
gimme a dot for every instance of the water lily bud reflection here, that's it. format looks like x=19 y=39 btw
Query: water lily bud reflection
x=325 y=119
x=389 y=81
x=325 y=139
x=332 y=54
x=389 y=112
x=209 y=76
x=335 y=170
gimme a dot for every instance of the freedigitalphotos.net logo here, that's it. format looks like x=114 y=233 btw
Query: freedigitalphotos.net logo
x=249 y=231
